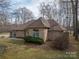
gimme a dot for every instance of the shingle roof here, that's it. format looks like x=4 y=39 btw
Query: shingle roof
x=21 y=26
x=55 y=26
x=52 y=23
x=45 y=22
x=40 y=23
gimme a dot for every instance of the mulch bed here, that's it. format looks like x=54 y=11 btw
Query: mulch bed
x=42 y=46
x=49 y=46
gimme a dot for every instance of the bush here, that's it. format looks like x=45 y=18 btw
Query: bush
x=62 y=42
x=31 y=39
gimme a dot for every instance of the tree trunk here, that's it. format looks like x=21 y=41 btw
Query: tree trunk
x=75 y=18
x=76 y=15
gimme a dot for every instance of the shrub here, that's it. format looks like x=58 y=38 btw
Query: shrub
x=62 y=42
x=31 y=39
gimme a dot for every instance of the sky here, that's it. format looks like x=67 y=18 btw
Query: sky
x=32 y=5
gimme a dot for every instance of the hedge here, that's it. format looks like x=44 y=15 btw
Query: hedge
x=31 y=39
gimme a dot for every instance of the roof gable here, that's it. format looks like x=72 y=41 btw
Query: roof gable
x=52 y=23
x=41 y=22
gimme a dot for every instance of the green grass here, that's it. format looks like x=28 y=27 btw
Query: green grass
x=18 y=50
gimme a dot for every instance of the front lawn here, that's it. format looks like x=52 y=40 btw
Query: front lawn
x=16 y=49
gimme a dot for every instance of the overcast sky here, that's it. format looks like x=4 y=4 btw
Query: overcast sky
x=33 y=5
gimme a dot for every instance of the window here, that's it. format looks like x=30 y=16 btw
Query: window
x=13 y=34
x=35 y=33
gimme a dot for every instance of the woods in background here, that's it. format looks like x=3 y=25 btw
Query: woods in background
x=4 y=11
x=65 y=12
x=22 y=15
x=17 y=16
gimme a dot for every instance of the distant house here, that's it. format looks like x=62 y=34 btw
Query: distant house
x=45 y=29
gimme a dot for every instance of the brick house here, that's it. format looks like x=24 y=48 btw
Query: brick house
x=45 y=29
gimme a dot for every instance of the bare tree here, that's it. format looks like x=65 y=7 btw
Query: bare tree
x=48 y=10
x=66 y=13
x=52 y=11
x=4 y=7
x=22 y=15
